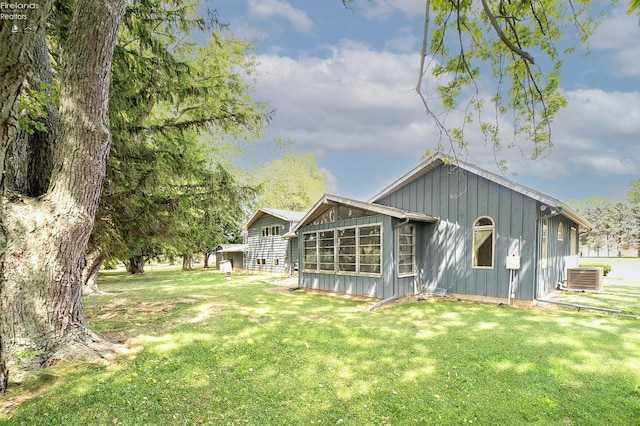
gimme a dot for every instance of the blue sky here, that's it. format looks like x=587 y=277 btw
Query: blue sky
x=340 y=81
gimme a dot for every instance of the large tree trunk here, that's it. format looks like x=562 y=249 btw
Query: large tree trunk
x=187 y=262
x=206 y=260
x=45 y=237
x=135 y=265
x=93 y=262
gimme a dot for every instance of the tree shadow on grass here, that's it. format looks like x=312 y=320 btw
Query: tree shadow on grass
x=251 y=354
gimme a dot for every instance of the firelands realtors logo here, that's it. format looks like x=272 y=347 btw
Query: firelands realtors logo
x=18 y=13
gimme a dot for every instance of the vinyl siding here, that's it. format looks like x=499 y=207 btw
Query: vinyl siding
x=270 y=248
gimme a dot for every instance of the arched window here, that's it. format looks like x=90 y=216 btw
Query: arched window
x=560 y=232
x=483 y=242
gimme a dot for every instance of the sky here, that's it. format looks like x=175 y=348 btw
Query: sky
x=340 y=82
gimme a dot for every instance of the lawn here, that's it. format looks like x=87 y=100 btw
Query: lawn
x=621 y=288
x=205 y=350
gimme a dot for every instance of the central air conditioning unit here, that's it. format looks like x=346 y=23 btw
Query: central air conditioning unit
x=585 y=279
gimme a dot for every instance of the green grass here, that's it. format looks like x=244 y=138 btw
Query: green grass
x=621 y=289
x=241 y=352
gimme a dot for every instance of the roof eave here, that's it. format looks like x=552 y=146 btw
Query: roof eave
x=329 y=199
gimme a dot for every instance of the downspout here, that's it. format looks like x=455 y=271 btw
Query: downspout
x=537 y=276
x=395 y=291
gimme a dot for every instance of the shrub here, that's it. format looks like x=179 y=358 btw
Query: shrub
x=606 y=268
x=110 y=264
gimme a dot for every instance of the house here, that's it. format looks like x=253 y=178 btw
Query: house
x=447 y=227
x=271 y=246
x=233 y=253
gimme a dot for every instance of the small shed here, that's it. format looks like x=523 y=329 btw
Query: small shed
x=234 y=253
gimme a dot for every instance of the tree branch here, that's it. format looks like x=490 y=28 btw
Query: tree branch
x=515 y=49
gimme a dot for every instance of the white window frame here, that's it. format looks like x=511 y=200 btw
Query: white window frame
x=360 y=255
x=316 y=247
x=412 y=247
x=573 y=240
x=560 y=231
x=313 y=247
x=544 y=243
x=265 y=231
x=476 y=228
x=336 y=249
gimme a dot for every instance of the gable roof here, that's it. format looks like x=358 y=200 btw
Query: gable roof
x=232 y=248
x=440 y=159
x=286 y=215
x=328 y=200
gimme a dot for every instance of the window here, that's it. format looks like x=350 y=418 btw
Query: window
x=573 y=237
x=260 y=261
x=483 y=242
x=310 y=251
x=544 y=243
x=326 y=251
x=406 y=250
x=560 y=231
x=270 y=230
x=276 y=262
x=319 y=251
x=346 y=250
x=369 y=249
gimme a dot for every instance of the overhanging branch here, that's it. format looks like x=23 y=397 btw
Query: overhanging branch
x=494 y=22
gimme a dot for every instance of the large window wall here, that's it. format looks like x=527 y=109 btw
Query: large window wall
x=345 y=250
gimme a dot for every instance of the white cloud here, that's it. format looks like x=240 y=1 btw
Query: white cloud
x=381 y=9
x=597 y=134
x=358 y=98
x=331 y=181
x=265 y=9
x=619 y=33
x=354 y=98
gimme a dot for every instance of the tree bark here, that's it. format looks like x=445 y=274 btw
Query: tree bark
x=205 y=261
x=44 y=238
x=135 y=265
x=93 y=262
x=186 y=262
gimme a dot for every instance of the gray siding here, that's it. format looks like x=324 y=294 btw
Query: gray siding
x=381 y=287
x=558 y=254
x=270 y=248
x=445 y=248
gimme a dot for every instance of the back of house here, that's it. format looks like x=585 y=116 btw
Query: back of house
x=449 y=227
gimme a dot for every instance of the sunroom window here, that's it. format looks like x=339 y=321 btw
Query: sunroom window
x=369 y=249
x=353 y=250
x=319 y=251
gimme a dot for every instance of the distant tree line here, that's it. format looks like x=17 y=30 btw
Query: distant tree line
x=616 y=225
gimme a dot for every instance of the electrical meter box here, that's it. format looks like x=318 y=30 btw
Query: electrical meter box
x=513 y=262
